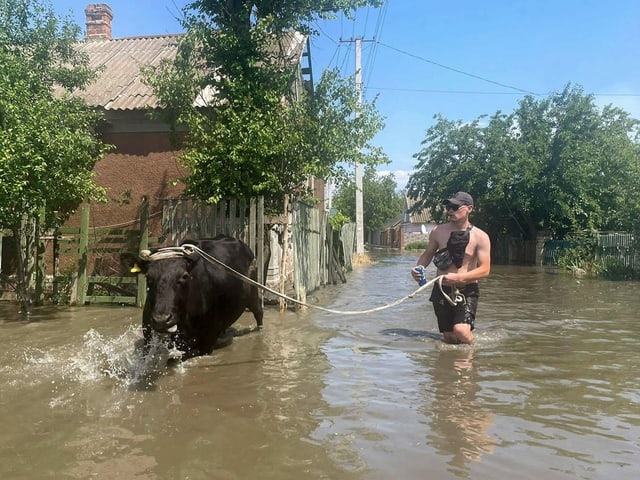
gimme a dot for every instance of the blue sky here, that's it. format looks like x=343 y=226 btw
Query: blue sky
x=457 y=58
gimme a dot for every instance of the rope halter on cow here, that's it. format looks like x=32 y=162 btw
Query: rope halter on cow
x=188 y=250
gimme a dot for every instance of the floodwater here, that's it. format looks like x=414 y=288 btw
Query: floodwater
x=550 y=390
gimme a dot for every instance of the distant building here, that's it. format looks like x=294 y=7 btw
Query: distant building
x=406 y=228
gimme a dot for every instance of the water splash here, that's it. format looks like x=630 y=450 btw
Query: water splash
x=114 y=358
x=118 y=358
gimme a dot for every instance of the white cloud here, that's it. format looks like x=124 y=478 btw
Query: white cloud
x=402 y=176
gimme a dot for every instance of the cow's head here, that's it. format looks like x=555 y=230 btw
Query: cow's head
x=168 y=282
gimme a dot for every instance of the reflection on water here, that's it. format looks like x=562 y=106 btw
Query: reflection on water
x=459 y=424
x=550 y=389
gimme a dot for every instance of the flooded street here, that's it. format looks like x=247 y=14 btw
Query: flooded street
x=550 y=389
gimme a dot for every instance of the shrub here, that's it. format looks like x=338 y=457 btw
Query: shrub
x=416 y=245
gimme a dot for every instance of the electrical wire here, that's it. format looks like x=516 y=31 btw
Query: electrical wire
x=462 y=72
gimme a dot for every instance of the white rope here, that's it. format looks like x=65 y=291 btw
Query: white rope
x=187 y=249
x=164 y=253
x=457 y=296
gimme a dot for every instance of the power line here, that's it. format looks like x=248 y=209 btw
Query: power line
x=426 y=60
x=346 y=57
x=477 y=92
x=382 y=15
x=428 y=90
x=317 y=25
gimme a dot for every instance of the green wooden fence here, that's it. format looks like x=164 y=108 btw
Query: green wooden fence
x=620 y=247
x=97 y=252
x=610 y=246
x=92 y=254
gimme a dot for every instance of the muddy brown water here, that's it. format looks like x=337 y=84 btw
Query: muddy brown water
x=550 y=390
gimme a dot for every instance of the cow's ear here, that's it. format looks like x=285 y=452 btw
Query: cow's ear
x=132 y=263
x=192 y=260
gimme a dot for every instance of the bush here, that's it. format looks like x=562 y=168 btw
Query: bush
x=579 y=258
x=416 y=245
x=338 y=220
x=613 y=269
x=582 y=259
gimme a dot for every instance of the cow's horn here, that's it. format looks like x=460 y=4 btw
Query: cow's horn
x=189 y=250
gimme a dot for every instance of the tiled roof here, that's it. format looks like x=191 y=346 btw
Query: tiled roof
x=120 y=85
x=417 y=217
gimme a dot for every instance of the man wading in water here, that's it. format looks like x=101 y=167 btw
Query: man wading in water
x=462 y=253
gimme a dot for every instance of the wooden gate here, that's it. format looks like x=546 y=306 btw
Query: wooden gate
x=98 y=277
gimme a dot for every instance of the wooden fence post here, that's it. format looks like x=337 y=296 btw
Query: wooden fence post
x=83 y=256
x=285 y=247
x=144 y=244
x=259 y=220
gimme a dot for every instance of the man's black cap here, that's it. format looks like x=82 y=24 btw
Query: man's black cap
x=461 y=198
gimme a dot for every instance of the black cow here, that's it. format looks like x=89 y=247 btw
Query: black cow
x=195 y=300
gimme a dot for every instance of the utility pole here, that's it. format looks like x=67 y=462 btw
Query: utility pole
x=359 y=202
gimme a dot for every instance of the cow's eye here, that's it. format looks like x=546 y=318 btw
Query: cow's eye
x=185 y=277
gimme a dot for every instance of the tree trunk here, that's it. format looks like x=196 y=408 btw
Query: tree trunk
x=24 y=238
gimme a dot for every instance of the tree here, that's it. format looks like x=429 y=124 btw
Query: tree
x=254 y=136
x=558 y=164
x=383 y=202
x=47 y=143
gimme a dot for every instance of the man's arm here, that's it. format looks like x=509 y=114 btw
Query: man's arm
x=430 y=251
x=427 y=255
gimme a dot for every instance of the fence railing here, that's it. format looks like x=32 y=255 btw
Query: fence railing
x=553 y=249
x=98 y=277
x=620 y=247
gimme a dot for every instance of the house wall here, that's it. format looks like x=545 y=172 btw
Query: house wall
x=141 y=164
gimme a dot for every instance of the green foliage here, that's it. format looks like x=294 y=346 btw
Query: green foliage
x=613 y=269
x=416 y=246
x=260 y=134
x=381 y=202
x=558 y=164
x=47 y=144
x=581 y=258
x=297 y=15
x=337 y=220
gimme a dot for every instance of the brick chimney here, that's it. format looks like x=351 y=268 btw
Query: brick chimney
x=99 y=16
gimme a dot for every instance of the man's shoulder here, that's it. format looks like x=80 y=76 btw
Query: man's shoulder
x=479 y=233
x=477 y=228
x=442 y=229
